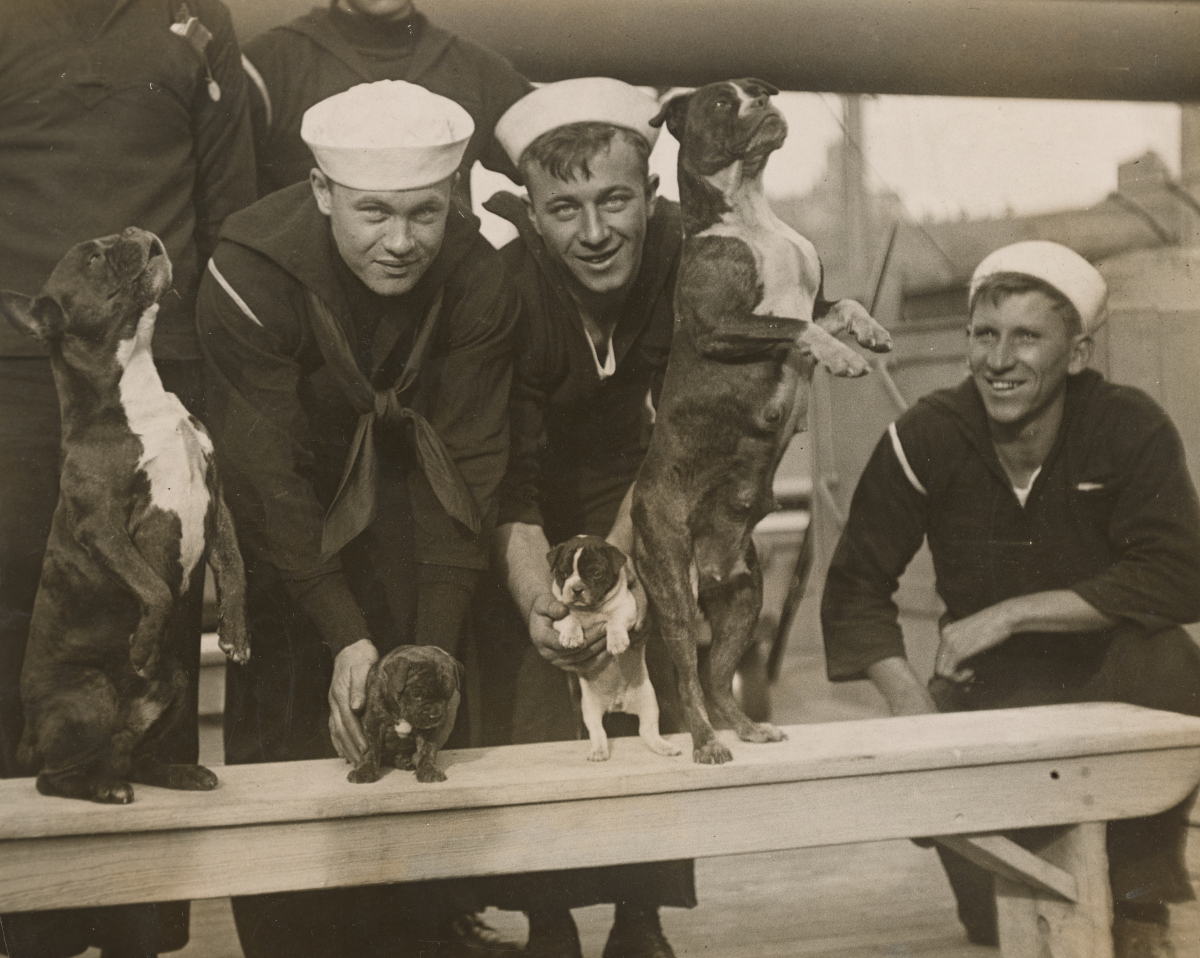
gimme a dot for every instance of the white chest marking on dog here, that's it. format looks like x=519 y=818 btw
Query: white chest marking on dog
x=175 y=453
x=402 y=728
x=787 y=263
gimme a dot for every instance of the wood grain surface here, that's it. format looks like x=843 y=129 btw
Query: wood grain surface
x=559 y=772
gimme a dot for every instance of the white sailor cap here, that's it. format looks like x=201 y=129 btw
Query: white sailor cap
x=388 y=135
x=582 y=100
x=1064 y=269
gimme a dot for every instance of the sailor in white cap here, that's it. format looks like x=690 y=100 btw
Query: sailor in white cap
x=595 y=265
x=1065 y=535
x=356 y=339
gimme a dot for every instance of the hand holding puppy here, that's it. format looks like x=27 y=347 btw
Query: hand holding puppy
x=591 y=656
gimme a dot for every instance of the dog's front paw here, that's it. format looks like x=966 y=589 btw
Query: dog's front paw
x=617 y=642
x=430 y=773
x=599 y=753
x=660 y=746
x=836 y=356
x=112 y=793
x=762 y=732
x=143 y=657
x=570 y=633
x=191 y=778
x=712 y=753
x=237 y=647
x=363 y=775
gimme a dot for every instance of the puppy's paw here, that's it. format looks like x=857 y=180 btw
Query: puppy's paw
x=570 y=633
x=712 y=753
x=363 y=775
x=112 y=793
x=429 y=774
x=762 y=732
x=660 y=746
x=617 y=642
x=599 y=753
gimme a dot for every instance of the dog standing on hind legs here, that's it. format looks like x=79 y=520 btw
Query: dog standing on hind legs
x=750 y=327
x=139 y=512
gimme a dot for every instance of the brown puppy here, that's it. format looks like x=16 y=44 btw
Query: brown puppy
x=412 y=701
x=139 y=512
x=750 y=325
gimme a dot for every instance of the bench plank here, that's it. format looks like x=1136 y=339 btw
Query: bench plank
x=301 y=825
x=558 y=771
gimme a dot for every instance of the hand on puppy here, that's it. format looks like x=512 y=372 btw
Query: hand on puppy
x=589 y=657
x=347 y=696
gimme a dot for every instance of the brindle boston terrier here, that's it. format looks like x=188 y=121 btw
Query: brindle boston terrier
x=139 y=511
x=750 y=326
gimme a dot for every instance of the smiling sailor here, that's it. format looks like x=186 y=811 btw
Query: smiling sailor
x=1065 y=536
x=355 y=331
x=595 y=266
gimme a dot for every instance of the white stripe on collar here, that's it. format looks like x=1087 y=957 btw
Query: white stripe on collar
x=899 y=451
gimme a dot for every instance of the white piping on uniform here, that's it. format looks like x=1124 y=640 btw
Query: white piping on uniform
x=899 y=451
x=258 y=81
x=241 y=303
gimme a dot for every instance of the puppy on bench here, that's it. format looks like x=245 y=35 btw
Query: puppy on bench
x=139 y=512
x=591 y=579
x=750 y=326
x=412 y=702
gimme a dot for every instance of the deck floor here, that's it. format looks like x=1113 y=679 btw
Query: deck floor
x=878 y=900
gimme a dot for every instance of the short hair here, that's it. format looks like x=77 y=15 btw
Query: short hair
x=564 y=151
x=1000 y=286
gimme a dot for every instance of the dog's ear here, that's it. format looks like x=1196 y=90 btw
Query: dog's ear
x=397 y=676
x=616 y=559
x=39 y=316
x=554 y=556
x=674 y=114
x=771 y=89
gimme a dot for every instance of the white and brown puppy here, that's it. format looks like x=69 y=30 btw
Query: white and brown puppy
x=591 y=578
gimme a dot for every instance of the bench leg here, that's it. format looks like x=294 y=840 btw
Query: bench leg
x=1037 y=924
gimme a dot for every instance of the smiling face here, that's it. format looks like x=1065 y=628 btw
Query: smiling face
x=1021 y=351
x=387 y=238
x=594 y=222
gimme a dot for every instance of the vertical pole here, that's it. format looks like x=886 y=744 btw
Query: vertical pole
x=854 y=198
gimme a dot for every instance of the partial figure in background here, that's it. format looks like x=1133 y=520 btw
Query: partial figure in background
x=115 y=113
x=356 y=331
x=330 y=50
x=595 y=266
x=1065 y=534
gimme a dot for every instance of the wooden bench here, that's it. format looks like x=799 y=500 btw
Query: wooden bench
x=963 y=777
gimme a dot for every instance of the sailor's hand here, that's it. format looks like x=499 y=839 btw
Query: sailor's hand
x=966 y=638
x=591 y=656
x=347 y=696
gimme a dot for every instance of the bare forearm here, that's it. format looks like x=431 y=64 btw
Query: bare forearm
x=1060 y=610
x=520 y=556
x=899 y=685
